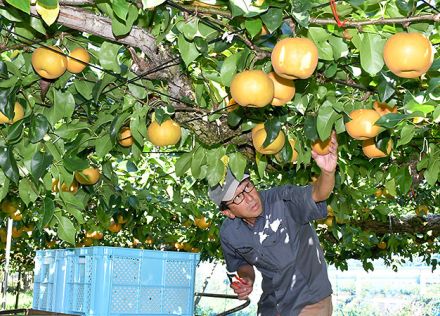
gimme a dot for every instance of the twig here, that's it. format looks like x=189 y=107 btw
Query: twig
x=381 y=21
x=76 y=2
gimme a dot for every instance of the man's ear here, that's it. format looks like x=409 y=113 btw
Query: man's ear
x=228 y=214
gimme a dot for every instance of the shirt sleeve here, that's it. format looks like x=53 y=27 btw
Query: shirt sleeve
x=233 y=260
x=301 y=205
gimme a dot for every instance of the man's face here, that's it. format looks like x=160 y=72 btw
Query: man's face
x=246 y=203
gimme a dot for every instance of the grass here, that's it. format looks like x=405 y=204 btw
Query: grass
x=24 y=300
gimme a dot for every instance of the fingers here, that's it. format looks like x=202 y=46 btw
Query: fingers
x=334 y=143
x=242 y=289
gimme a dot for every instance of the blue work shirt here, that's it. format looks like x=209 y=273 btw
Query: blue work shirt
x=284 y=247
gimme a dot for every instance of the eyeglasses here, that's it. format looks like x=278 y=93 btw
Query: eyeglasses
x=240 y=196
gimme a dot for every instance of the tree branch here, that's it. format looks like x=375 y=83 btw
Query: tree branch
x=179 y=85
x=381 y=21
x=76 y=2
x=410 y=224
x=213 y=10
x=207 y=9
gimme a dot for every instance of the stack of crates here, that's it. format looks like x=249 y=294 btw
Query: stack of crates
x=114 y=281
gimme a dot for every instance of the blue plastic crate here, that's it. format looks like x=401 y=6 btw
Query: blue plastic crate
x=49 y=276
x=115 y=281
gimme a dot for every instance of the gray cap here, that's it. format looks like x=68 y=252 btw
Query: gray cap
x=225 y=192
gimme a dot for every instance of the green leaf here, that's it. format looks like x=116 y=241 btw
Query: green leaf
x=413 y=106
x=100 y=85
x=8 y=83
x=11 y=14
x=197 y=161
x=55 y=150
x=8 y=163
x=319 y=36
x=48 y=3
x=137 y=90
x=188 y=50
x=273 y=128
x=390 y=120
x=253 y=26
x=183 y=164
x=340 y=48
x=261 y=164
x=4 y=185
x=432 y=172
x=27 y=191
x=245 y=8
x=188 y=28
x=64 y=105
x=74 y=163
x=326 y=118
x=117 y=123
x=148 y=4
x=39 y=165
x=216 y=172
x=71 y=130
x=48 y=209
x=404 y=180
x=13 y=69
x=38 y=128
x=25 y=32
x=201 y=44
x=15 y=131
x=234 y=118
x=7 y=102
x=300 y=11
x=406 y=135
x=103 y=145
x=371 y=51
x=121 y=27
x=436 y=115
x=237 y=164
x=229 y=69
x=207 y=32
x=385 y=88
x=331 y=70
x=73 y=205
x=310 y=129
x=434 y=88
x=340 y=125
x=301 y=17
x=66 y=231
x=273 y=19
x=108 y=57
x=382 y=141
x=84 y=88
x=37 y=25
x=391 y=187
x=215 y=154
x=23 y=5
x=120 y=8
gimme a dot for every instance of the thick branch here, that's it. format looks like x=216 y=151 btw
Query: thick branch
x=412 y=224
x=88 y=22
x=210 y=133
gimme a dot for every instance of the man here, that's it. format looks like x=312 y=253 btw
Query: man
x=271 y=230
